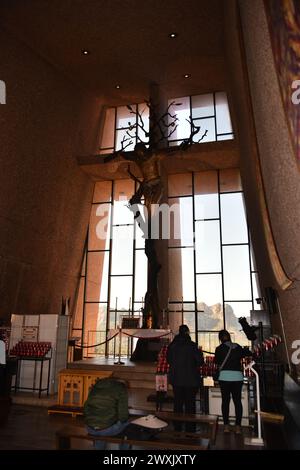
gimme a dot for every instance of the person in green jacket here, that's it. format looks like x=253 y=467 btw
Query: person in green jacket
x=106 y=410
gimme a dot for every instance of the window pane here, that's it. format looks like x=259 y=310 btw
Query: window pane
x=108 y=133
x=182 y=112
x=181 y=222
x=94 y=321
x=99 y=228
x=206 y=195
x=207 y=127
x=230 y=180
x=124 y=117
x=206 y=182
x=225 y=137
x=223 y=115
x=208 y=341
x=143 y=122
x=102 y=191
x=208 y=251
x=181 y=282
x=234 y=226
x=211 y=318
x=139 y=240
x=123 y=191
x=180 y=185
x=121 y=292
x=97 y=277
x=141 y=268
x=233 y=311
x=209 y=290
x=122 y=250
x=122 y=138
x=236 y=273
x=203 y=106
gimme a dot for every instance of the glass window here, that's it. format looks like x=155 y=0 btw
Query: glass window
x=180 y=185
x=99 y=228
x=180 y=108
x=208 y=341
x=124 y=141
x=206 y=195
x=181 y=222
x=181 y=282
x=234 y=225
x=94 y=321
x=97 y=277
x=107 y=137
x=126 y=118
x=123 y=191
x=209 y=290
x=122 y=250
x=102 y=191
x=211 y=318
x=223 y=115
x=236 y=273
x=225 y=137
x=203 y=106
x=207 y=130
x=143 y=122
x=230 y=180
x=208 y=249
x=121 y=292
x=233 y=311
x=140 y=278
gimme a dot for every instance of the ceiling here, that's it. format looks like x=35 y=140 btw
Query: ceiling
x=127 y=39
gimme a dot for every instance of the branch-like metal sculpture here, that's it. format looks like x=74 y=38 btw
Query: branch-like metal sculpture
x=147 y=156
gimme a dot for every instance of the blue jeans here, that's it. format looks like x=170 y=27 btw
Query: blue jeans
x=113 y=430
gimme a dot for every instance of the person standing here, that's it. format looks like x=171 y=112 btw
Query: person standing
x=228 y=357
x=184 y=359
x=106 y=410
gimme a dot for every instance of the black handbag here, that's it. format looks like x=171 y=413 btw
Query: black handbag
x=217 y=373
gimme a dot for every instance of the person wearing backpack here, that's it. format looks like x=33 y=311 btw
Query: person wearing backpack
x=106 y=410
x=228 y=357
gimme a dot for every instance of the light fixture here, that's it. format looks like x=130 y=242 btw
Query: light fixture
x=187 y=75
x=173 y=35
x=85 y=52
x=118 y=87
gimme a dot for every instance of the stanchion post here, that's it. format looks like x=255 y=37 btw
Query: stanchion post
x=119 y=362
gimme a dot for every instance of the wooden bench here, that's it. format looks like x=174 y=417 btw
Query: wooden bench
x=163 y=440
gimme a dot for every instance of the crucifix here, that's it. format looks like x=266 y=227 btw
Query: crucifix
x=146 y=156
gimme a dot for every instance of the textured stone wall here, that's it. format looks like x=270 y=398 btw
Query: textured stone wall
x=281 y=176
x=44 y=196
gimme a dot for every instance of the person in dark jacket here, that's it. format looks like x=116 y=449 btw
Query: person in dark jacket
x=231 y=378
x=184 y=358
x=106 y=410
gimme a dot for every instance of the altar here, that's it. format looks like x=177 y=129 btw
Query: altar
x=149 y=341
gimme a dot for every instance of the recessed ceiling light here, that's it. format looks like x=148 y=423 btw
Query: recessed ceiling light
x=173 y=35
x=118 y=87
x=85 y=52
x=187 y=75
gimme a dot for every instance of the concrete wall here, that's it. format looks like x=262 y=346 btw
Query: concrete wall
x=44 y=196
x=271 y=140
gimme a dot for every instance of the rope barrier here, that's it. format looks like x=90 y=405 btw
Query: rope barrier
x=99 y=344
x=143 y=337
